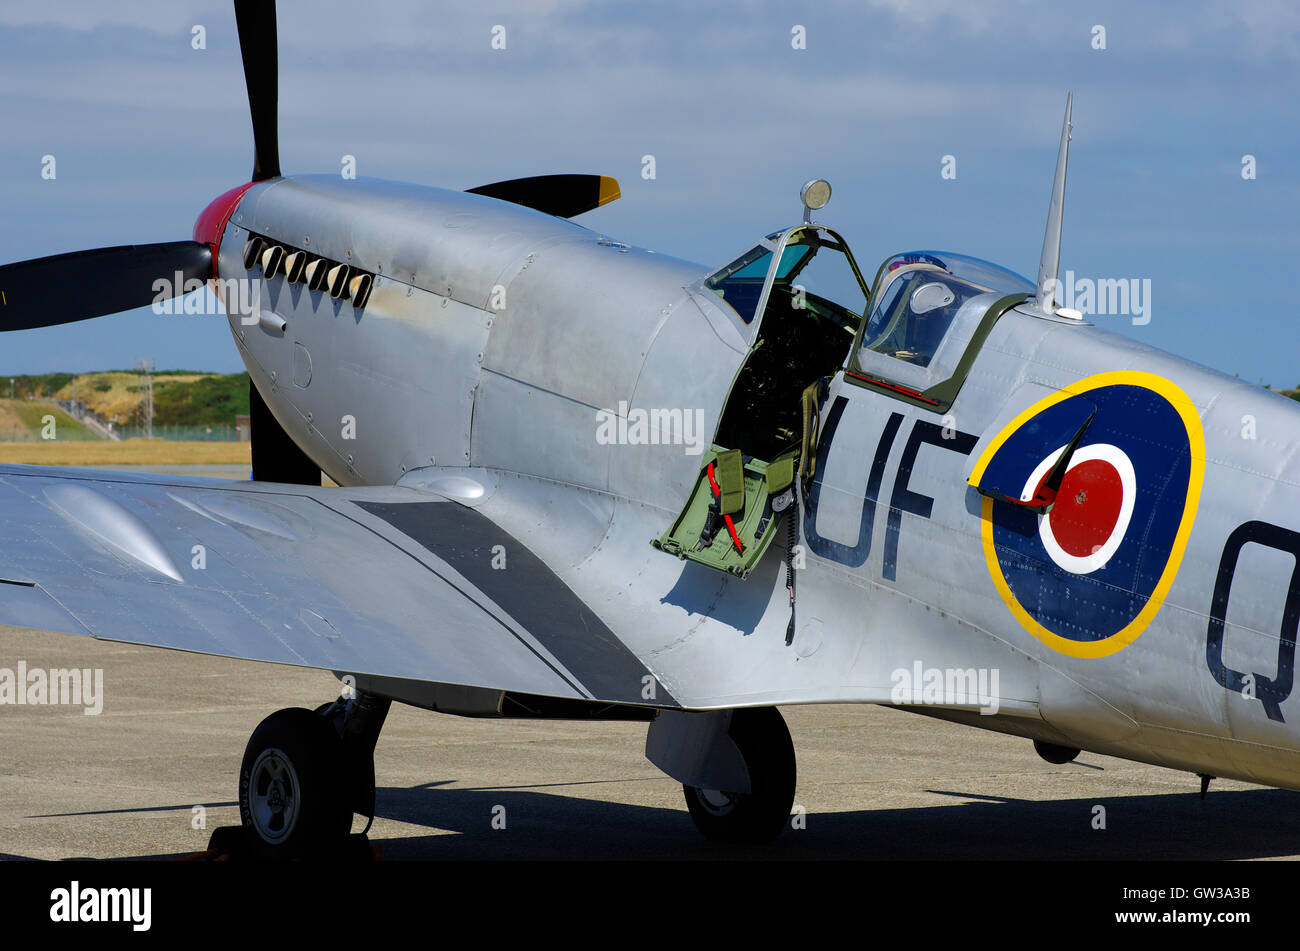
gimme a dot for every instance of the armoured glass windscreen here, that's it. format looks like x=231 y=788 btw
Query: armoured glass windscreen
x=740 y=283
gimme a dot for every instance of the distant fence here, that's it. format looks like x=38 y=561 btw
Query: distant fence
x=169 y=433
x=182 y=433
x=61 y=433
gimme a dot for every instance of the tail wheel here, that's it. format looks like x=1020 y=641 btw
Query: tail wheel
x=759 y=815
x=1055 y=753
x=289 y=789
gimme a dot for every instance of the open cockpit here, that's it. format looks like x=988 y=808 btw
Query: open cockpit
x=800 y=294
x=804 y=294
x=811 y=310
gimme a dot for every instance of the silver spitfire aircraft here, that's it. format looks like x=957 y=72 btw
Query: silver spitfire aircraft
x=580 y=479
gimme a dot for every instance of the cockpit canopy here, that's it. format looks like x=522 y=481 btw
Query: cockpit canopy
x=910 y=327
x=920 y=296
x=809 y=316
x=963 y=266
x=816 y=272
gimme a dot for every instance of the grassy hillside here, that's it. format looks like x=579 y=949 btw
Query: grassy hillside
x=204 y=401
x=24 y=421
x=181 y=397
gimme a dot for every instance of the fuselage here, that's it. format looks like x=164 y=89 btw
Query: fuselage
x=495 y=337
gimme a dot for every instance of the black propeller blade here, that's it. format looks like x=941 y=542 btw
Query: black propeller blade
x=276 y=457
x=560 y=195
x=257 y=42
x=83 y=284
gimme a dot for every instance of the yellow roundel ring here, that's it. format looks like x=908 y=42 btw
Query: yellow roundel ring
x=1182 y=405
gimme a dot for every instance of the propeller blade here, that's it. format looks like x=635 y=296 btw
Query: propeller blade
x=83 y=284
x=560 y=195
x=257 y=42
x=276 y=457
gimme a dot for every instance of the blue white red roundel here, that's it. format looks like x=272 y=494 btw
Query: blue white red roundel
x=1094 y=506
x=1087 y=576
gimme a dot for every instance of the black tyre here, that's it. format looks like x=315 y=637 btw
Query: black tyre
x=290 y=794
x=1056 y=754
x=764 y=741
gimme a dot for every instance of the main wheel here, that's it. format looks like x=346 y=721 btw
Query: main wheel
x=759 y=815
x=289 y=789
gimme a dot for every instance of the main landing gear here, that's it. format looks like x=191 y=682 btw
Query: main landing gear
x=305 y=773
x=736 y=767
x=761 y=736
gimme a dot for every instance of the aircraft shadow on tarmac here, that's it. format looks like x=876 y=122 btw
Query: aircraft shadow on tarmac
x=1228 y=825
x=1242 y=824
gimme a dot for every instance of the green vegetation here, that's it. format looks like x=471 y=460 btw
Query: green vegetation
x=181 y=397
x=207 y=401
x=25 y=421
x=38 y=386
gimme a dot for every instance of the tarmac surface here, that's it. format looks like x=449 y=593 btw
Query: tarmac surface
x=874 y=782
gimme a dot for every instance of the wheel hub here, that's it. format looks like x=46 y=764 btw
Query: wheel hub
x=273 y=796
x=716 y=801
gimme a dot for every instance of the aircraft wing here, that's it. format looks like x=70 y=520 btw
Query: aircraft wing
x=315 y=577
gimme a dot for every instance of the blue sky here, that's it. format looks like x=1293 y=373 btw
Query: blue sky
x=146 y=130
